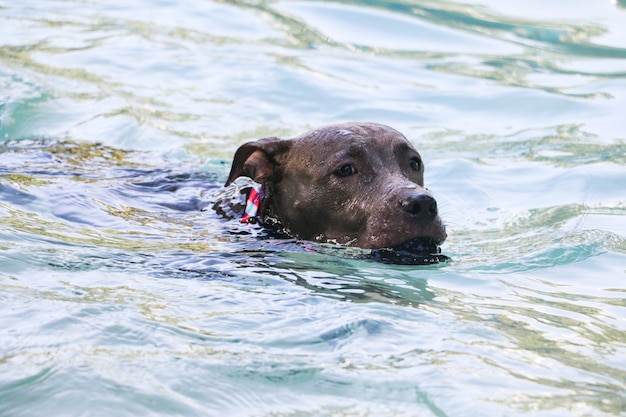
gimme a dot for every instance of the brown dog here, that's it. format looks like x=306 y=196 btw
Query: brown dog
x=355 y=184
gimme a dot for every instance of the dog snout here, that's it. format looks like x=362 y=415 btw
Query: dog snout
x=420 y=205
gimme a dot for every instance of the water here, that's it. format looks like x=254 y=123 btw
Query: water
x=120 y=296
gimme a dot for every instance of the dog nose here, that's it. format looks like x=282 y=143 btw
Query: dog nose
x=421 y=205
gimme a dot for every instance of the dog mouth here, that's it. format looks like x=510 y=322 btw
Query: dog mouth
x=417 y=251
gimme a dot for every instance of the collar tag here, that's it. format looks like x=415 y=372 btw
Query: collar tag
x=254 y=202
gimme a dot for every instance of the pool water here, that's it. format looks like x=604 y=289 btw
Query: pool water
x=122 y=294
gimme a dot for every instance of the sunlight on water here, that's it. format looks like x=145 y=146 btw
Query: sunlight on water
x=123 y=293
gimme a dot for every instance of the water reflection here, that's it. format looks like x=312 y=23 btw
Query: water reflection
x=354 y=280
x=554 y=332
x=286 y=56
x=473 y=26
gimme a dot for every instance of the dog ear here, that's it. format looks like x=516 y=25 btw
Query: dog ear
x=259 y=159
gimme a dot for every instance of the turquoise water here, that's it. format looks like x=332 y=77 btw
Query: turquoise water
x=119 y=296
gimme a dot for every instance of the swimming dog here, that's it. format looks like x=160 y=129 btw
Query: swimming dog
x=353 y=184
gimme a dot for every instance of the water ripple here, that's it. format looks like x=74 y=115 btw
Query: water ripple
x=120 y=296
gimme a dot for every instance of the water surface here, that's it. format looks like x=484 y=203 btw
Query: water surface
x=121 y=296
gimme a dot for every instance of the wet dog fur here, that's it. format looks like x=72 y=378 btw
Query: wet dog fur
x=354 y=184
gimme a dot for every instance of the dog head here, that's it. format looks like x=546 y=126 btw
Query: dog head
x=356 y=184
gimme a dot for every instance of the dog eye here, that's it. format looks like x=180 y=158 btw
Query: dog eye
x=415 y=164
x=346 y=170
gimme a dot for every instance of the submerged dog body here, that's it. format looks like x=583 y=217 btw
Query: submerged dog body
x=356 y=184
